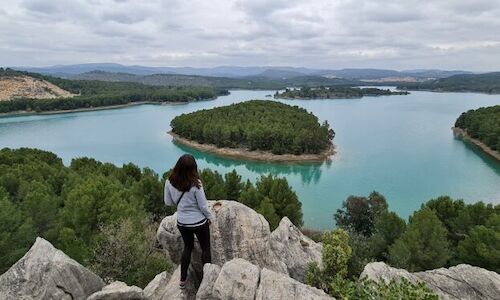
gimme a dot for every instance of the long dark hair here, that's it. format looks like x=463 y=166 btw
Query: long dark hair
x=185 y=174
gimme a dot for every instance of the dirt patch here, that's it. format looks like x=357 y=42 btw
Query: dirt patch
x=254 y=155
x=15 y=87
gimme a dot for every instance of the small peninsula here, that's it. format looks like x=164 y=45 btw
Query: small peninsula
x=481 y=127
x=256 y=130
x=334 y=93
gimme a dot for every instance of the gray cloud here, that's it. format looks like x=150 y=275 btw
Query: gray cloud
x=400 y=34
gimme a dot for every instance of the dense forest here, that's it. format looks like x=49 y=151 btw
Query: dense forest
x=105 y=216
x=101 y=93
x=444 y=232
x=334 y=93
x=482 y=124
x=482 y=83
x=257 y=125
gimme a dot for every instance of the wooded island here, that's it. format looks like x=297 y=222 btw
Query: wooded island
x=334 y=93
x=254 y=125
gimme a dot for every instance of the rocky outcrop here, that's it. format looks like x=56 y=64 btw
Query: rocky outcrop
x=294 y=249
x=239 y=279
x=166 y=287
x=118 y=291
x=458 y=282
x=240 y=232
x=45 y=272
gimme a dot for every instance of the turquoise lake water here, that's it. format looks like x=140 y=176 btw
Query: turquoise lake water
x=400 y=146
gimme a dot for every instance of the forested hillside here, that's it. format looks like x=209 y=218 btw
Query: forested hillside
x=250 y=82
x=482 y=83
x=257 y=125
x=99 y=93
x=334 y=93
x=482 y=124
x=105 y=216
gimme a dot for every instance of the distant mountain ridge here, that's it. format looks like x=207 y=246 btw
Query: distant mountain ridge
x=483 y=83
x=272 y=72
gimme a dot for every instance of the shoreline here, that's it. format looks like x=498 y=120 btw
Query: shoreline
x=87 y=109
x=257 y=155
x=461 y=133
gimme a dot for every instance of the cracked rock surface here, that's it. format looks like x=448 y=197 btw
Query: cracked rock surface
x=240 y=279
x=45 y=272
x=458 y=282
x=118 y=291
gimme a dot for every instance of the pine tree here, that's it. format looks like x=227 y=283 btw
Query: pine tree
x=233 y=185
x=423 y=245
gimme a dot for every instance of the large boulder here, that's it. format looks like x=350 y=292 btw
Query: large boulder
x=158 y=286
x=240 y=232
x=458 y=282
x=278 y=286
x=166 y=287
x=237 y=231
x=240 y=279
x=210 y=274
x=45 y=272
x=294 y=248
x=118 y=291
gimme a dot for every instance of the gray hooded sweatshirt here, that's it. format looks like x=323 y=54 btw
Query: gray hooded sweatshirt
x=193 y=207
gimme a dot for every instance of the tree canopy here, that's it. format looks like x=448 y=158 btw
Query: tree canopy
x=423 y=245
x=257 y=125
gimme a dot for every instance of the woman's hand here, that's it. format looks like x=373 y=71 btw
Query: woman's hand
x=209 y=222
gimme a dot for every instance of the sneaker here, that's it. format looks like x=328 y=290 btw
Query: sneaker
x=182 y=284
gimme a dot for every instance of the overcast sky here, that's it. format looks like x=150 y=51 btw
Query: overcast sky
x=401 y=34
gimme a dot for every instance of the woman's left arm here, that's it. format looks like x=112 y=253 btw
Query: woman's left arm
x=167 y=198
x=203 y=203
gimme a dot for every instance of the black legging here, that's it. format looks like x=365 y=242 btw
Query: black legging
x=203 y=234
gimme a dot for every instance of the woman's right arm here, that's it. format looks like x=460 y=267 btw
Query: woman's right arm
x=167 y=198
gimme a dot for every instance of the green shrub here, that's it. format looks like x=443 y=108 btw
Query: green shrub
x=127 y=252
x=332 y=277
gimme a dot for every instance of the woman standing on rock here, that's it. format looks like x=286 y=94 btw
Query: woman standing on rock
x=183 y=189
